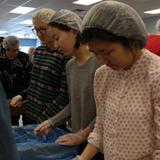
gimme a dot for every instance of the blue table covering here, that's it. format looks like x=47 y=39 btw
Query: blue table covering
x=35 y=147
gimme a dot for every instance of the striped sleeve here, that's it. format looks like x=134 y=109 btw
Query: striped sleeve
x=60 y=101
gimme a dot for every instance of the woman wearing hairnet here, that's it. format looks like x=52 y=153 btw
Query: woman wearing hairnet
x=64 y=35
x=126 y=87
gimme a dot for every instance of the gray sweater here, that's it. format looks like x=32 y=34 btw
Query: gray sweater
x=81 y=107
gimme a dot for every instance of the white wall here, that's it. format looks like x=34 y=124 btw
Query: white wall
x=150 y=23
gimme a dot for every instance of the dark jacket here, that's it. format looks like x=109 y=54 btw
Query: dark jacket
x=15 y=74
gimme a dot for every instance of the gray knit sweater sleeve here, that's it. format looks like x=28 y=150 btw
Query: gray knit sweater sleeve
x=61 y=117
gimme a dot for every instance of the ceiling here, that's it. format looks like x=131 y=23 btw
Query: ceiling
x=11 y=22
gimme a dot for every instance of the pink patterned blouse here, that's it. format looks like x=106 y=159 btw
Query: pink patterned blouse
x=128 y=111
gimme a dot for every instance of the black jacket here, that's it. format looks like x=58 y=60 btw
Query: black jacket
x=15 y=74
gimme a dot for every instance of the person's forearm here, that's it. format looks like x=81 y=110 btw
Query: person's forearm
x=60 y=118
x=89 y=152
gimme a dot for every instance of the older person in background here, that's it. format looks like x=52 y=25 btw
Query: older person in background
x=153 y=43
x=15 y=71
x=15 y=68
x=1 y=40
x=47 y=94
x=31 y=52
x=126 y=87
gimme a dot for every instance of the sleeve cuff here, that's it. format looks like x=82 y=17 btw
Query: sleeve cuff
x=96 y=140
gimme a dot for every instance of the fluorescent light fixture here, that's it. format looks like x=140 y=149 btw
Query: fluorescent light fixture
x=155 y=11
x=28 y=21
x=86 y=2
x=22 y=10
x=3 y=32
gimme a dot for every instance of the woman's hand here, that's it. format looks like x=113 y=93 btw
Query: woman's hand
x=43 y=128
x=70 y=139
x=16 y=101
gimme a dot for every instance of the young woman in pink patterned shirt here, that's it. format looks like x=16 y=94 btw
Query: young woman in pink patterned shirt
x=126 y=87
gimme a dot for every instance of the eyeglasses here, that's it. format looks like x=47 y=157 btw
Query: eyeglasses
x=40 y=30
x=14 y=50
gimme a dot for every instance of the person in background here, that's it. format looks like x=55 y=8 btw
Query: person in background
x=1 y=40
x=8 y=149
x=153 y=43
x=47 y=94
x=126 y=87
x=15 y=68
x=64 y=34
x=31 y=52
x=15 y=71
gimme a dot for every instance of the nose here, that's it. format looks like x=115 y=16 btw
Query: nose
x=39 y=33
x=56 y=46
x=102 y=59
x=42 y=37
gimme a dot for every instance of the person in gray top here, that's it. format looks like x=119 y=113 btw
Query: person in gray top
x=64 y=35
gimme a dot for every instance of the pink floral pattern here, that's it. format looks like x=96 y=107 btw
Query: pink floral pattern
x=128 y=111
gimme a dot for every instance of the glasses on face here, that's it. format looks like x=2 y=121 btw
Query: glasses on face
x=40 y=30
x=14 y=50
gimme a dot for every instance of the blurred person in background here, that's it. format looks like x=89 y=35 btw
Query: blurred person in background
x=153 y=42
x=1 y=40
x=15 y=70
x=31 y=52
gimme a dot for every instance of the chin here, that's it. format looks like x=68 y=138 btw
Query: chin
x=43 y=42
x=65 y=53
x=114 y=68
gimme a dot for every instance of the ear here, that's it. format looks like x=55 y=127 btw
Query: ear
x=134 y=44
x=75 y=33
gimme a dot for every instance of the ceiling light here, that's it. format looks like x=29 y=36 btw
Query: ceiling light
x=28 y=21
x=3 y=32
x=86 y=2
x=155 y=11
x=22 y=10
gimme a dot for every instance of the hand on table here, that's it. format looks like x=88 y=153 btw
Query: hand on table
x=43 y=128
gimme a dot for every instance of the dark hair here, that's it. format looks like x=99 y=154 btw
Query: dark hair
x=90 y=34
x=66 y=29
x=1 y=39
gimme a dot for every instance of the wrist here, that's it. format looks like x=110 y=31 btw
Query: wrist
x=50 y=123
x=85 y=132
x=79 y=158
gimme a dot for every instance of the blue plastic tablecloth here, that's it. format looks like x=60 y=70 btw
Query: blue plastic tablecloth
x=34 y=147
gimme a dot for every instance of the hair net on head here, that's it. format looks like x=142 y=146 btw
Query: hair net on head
x=67 y=18
x=117 y=18
x=158 y=25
